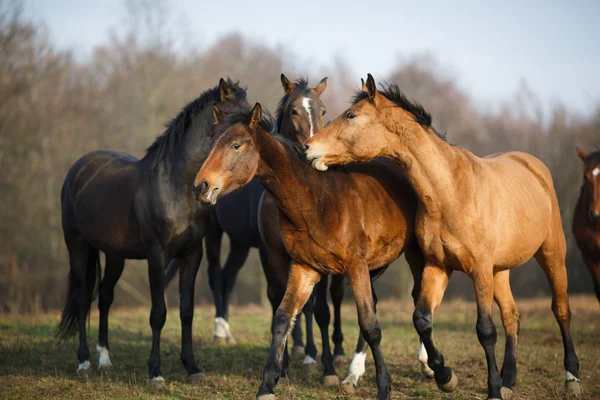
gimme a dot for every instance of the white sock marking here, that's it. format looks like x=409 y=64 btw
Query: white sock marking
x=570 y=377
x=104 y=361
x=357 y=368
x=84 y=365
x=422 y=354
x=595 y=171
x=158 y=379
x=222 y=328
x=308 y=108
x=309 y=360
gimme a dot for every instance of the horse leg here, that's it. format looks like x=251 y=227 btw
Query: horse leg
x=551 y=258
x=323 y=317
x=510 y=319
x=416 y=261
x=310 y=351
x=112 y=273
x=360 y=281
x=158 y=314
x=357 y=366
x=337 y=296
x=433 y=284
x=301 y=281
x=83 y=260
x=237 y=256
x=212 y=238
x=188 y=270
x=483 y=283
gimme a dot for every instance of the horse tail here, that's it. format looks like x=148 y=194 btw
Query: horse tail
x=69 y=321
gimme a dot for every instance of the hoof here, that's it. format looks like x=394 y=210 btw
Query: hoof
x=298 y=351
x=427 y=372
x=347 y=387
x=196 y=378
x=330 y=380
x=156 y=382
x=82 y=373
x=268 y=396
x=339 y=359
x=450 y=386
x=506 y=393
x=573 y=388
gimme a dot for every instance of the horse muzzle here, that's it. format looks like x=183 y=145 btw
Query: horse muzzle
x=206 y=193
x=594 y=215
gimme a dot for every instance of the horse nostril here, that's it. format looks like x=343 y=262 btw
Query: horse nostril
x=203 y=187
x=305 y=147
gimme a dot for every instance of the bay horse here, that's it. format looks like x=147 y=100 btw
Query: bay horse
x=140 y=209
x=586 y=220
x=237 y=214
x=480 y=216
x=334 y=223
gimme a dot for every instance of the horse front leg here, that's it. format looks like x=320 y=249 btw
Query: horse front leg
x=188 y=271
x=157 y=262
x=301 y=281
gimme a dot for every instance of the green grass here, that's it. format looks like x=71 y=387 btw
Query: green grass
x=33 y=366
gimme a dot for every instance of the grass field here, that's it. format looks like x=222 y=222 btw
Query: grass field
x=32 y=365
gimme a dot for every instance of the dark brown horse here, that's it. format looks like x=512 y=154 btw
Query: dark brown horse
x=586 y=220
x=140 y=209
x=480 y=216
x=350 y=221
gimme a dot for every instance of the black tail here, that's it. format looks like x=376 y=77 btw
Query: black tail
x=69 y=322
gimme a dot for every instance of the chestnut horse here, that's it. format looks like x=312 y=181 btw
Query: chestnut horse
x=480 y=216
x=350 y=221
x=140 y=209
x=586 y=220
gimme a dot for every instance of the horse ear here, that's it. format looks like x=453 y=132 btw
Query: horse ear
x=581 y=154
x=218 y=114
x=288 y=86
x=224 y=91
x=370 y=87
x=362 y=85
x=256 y=116
x=320 y=88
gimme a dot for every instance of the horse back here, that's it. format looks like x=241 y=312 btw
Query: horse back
x=98 y=197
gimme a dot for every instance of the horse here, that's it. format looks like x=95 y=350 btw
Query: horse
x=480 y=216
x=131 y=208
x=334 y=223
x=586 y=219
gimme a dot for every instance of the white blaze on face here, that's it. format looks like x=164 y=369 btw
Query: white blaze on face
x=104 y=361
x=357 y=368
x=308 y=108
x=595 y=171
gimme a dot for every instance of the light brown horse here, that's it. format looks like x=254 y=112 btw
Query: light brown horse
x=480 y=216
x=586 y=220
x=351 y=221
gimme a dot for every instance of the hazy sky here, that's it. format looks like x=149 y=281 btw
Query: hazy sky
x=489 y=45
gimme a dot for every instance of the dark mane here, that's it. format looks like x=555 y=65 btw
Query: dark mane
x=266 y=122
x=393 y=93
x=178 y=126
x=301 y=87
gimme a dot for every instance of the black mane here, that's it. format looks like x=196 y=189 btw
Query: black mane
x=178 y=126
x=393 y=93
x=302 y=84
x=266 y=121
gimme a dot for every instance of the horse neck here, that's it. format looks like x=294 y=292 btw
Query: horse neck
x=288 y=178
x=431 y=166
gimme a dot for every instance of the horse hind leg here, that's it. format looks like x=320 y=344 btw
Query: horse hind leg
x=112 y=273
x=510 y=320
x=551 y=257
x=337 y=296
x=84 y=268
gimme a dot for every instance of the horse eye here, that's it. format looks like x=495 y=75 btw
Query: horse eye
x=323 y=113
x=350 y=115
x=293 y=111
x=236 y=146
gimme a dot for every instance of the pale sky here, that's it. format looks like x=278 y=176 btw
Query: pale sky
x=490 y=46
